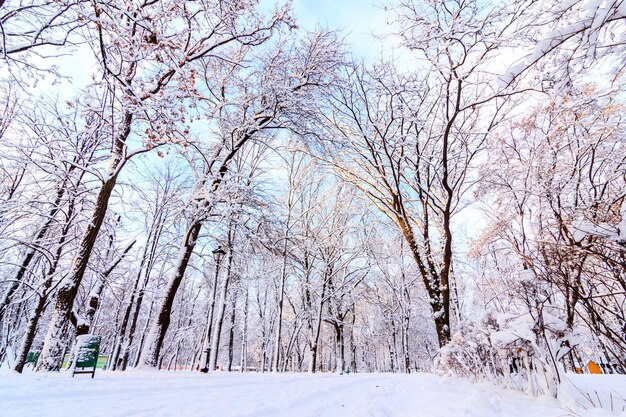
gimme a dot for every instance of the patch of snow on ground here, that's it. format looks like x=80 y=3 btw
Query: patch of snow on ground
x=144 y=393
x=593 y=392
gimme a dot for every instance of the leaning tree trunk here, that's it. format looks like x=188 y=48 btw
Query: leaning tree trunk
x=62 y=313
x=35 y=315
x=127 y=341
x=144 y=333
x=31 y=328
x=436 y=284
x=121 y=332
x=85 y=326
x=152 y=349
x=292 y=341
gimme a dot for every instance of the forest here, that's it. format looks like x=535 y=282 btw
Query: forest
x=209 y=185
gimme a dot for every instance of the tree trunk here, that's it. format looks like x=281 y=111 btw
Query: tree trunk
x=292 y=340
x=125 y=340
x=152 y=349
x=405 y=344
x=66 y=294
x=281 y=299
x=352 y=342
x=436 y=284
x=341 y=349
x=314 y=333
x=31 y=328
x=206 y=344
x=126 y=345
x=231 y=334
x=96 y=293
x=144 y=333
x=244 y=337
x=121 y=333
x=262 y=315
x=443 y=322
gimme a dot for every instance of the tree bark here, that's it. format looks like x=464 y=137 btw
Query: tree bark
x=35 y=315
x=152 y=349
x=314 y=332
x=66 y=294
x=128 y=340
x=281 y=293
x=244 y=336
x=231 y=334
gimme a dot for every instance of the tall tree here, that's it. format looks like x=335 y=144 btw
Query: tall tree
x=278 y=90
x=142 y=52
x=409 y=140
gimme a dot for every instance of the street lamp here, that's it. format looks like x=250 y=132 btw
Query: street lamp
x=218 y=253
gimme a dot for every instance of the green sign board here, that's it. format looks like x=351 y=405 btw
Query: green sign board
x=87 y=352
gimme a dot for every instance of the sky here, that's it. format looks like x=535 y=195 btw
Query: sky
x=362 y=22
x=359 y=20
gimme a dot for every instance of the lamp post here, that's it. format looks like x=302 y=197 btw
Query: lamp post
x=218 y=253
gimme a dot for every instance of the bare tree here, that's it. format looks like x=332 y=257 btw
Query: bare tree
x=409 y=141
x=149 y=52
x=282 y=87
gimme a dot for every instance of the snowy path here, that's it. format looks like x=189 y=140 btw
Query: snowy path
x=257 y=395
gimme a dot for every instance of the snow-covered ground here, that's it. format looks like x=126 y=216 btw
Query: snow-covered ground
x=593 y=392
x=189 y=394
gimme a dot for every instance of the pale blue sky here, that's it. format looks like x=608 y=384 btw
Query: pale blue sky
x=358 y=19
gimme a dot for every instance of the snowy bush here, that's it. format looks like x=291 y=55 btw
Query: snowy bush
x=467 y=354
x=522 y=351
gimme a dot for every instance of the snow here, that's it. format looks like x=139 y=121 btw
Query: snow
x=597 y=393
x=85 y=351
x=585 y=23
x=190 y=394
x=616 y=232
